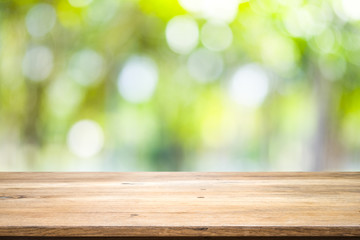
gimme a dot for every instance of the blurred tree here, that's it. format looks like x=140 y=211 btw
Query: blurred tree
x=179 y=85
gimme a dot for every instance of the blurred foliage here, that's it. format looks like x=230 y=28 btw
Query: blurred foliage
x=218 y=85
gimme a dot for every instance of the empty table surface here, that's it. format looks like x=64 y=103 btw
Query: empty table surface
x=170 y=204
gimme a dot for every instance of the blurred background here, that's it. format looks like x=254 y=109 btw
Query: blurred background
x=190 y=85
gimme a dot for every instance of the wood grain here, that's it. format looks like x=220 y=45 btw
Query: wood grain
x=145 y=204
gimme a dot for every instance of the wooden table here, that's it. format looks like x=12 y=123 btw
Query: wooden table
x=178 y=205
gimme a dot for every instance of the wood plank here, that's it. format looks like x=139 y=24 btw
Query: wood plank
x=153 y=204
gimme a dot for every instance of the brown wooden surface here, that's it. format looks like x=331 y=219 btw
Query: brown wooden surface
x=179 y=204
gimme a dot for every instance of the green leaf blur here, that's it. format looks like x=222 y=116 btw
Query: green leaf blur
x=190 y=85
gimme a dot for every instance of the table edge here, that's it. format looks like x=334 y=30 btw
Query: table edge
x=180 y=231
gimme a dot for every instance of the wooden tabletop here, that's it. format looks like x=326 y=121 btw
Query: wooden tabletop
x=179 y=204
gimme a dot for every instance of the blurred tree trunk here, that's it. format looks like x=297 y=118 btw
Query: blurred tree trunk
x=326 y=151
x=32 y=133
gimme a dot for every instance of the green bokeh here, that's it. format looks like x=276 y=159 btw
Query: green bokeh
x=308 y=120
